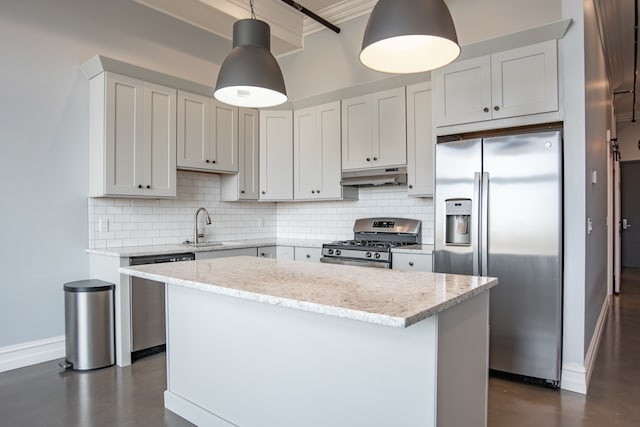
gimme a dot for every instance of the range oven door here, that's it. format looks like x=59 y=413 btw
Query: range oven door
x=355 y=262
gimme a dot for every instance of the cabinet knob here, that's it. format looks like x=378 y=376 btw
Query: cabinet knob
x=263 y=254
x=148 y=186
x=313 y=192
x=213 y=161
x=410 y=263
x=368 y=159
x=242 y=192
x=140 y=186
x=308 y=256
x=264 y=192
x=375 y=159
x=410 y=185
x=207 y=161
x=496 y=108
x=486 y=109
x=317 y=191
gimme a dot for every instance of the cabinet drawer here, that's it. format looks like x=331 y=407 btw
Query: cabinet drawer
x=307 y=254
x=411 y=262
x=227 y=253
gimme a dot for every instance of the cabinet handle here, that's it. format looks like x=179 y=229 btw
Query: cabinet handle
x=410 y=263
x=263 y=254
x=207 y=161
x=264 y=192
x=410 y=185
x=308 y=256
x=242 y=192
x=368 y=159
x=496 y=108
x=213 y=161
x=140 y=186
x=486 y=109
x=148 y=186
x=318 y=191
x=375 y=159
x=313 y=192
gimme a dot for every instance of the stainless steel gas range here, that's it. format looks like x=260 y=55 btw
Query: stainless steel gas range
x=373 y=239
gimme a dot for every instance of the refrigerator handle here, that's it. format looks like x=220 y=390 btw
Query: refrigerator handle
x=475 y=232
x=484 y=226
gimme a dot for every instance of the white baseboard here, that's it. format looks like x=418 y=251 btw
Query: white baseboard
x=576 y=377
x=31 y=353
x=192 y=412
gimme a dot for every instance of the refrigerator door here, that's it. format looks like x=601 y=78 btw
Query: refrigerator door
x=524 y=241
x=458 y=171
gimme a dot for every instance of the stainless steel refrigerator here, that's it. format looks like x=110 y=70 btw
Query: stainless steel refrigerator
x=498 y=212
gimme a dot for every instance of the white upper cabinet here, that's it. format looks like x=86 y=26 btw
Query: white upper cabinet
x=316 y=148
x=132 y=137
x=245 y=184
x=374 y=130
x=276 y=155
x=420 y=141
x=207 y=134
x=514 y=83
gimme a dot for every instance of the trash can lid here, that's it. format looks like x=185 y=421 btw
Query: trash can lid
x=90 y=285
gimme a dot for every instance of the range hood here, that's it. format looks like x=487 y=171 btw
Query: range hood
x=377 y=176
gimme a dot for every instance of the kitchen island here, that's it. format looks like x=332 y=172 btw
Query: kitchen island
x=264 y=342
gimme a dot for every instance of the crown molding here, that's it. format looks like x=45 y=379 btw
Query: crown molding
x=338 y=13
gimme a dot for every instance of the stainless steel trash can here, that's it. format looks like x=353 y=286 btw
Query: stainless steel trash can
x=89 y=328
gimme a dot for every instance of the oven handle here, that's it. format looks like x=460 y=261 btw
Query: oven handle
x=341 y=261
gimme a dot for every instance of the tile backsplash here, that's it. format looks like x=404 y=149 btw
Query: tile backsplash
x=117 y=222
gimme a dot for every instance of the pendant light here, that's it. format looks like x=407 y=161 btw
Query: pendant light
x=250 y=76
x=409 y=36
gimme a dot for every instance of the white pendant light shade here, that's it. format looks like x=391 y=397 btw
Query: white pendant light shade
x=250 y=76
x=409 y=36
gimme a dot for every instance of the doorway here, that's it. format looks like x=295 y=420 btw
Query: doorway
x=630 y=214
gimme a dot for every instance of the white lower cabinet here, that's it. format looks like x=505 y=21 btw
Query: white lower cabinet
x=267 y=252
x=307 y=254
x=286 y=253
x=412 y=262
x=223 y=253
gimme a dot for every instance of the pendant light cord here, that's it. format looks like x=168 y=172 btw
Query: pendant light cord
x=253 y=13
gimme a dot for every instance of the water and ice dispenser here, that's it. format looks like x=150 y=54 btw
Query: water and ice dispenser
x=458 y=222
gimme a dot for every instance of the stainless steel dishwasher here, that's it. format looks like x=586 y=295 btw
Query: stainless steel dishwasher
x=148 y=335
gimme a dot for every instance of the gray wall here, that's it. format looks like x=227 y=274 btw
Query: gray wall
x=44 y=137
x=598 y=120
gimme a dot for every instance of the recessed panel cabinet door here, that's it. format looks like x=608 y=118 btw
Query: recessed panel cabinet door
x=159 y=141
x=330 y=137
x=123 y=135
x=357 y=133
x=525 y=80
x=307 y=154
x=389 y=143
x=462 y=92
x=276 y=155
x=224 y=137
x=193 y=130
x=249 y=148
x=420 y=141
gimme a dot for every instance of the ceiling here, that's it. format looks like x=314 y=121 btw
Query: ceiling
x=615 y=19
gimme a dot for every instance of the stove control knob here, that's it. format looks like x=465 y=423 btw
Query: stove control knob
x=377 y=255
x=330 y=251
x=338 y=252
x=368 y=254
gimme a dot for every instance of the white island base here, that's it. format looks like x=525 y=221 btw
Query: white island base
x=237 y=362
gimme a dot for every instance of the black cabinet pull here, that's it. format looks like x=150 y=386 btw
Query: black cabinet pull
x=148 y=186
x=213 y=161
x=410 y=186
x=496 y=108
x=368 y=159
x=486 y=110
x=140 y=186
x=207 y=161
x=242 y=192
x=375 y=159
x=410 y=263
x=308 y=256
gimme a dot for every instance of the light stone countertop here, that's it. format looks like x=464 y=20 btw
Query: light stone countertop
x=134 y=251
x=386 y=297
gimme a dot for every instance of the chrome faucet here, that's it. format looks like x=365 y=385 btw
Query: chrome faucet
x=195 y=223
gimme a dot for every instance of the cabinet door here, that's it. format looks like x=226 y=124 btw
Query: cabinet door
x=525 y=80
x=159 y=141
x=420 y=147
x=267 y=252
x=124 y=149
x=193 y=131
x=329 y=135
x=409 y=262
x=249 y=146
x=307 y=254
x=389 y=124
x=357 y=133
x=307 y=152
x=276 y=155
x=462 y=92
x=223 y=147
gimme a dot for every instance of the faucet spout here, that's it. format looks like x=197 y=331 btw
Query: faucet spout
x=195 y=223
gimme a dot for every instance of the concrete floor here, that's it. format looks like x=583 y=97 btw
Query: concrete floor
x=45 y=395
